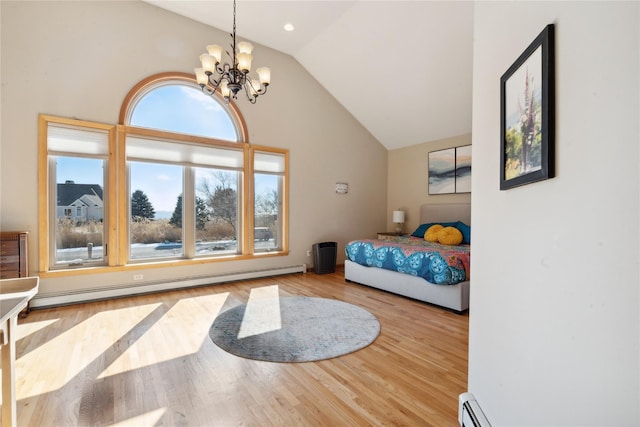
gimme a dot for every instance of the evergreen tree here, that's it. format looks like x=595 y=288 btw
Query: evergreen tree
x=141 y=207
x=176 y=218
x=202 y=214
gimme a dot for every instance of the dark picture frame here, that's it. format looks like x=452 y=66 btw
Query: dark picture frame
x=527 y=115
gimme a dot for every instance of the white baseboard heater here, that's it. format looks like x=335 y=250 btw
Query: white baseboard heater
x=96 y=294
x=469 y=412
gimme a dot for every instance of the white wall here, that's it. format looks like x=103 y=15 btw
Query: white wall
x=80 y=59
x=554 y=323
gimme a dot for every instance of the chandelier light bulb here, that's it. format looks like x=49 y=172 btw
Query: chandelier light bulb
x=245 y=47
x=244 y=61
x=208 y=63
x=264 y=74
x=201 y=77
x=224 y=89
x=215 y=51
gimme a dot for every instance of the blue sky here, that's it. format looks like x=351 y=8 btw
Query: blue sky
x=183 y=109
x=175 y=108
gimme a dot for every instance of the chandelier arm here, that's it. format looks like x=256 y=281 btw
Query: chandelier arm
x=248 y=92
x=222 y=68
x=215 y=82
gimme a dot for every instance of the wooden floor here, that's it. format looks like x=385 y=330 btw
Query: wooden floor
x=148 y=361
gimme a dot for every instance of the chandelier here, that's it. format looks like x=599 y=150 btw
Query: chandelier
x=229 y=78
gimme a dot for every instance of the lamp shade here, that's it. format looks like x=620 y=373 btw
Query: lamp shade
x=244 y=61
x=208 y=63
x=201 y=77
x=245 y=47
x=398 y=217
x=264 y=74
x=215 y=51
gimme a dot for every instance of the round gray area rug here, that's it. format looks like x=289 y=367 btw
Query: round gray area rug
x=294 y=329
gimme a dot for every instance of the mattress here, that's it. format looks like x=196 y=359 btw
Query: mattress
x=436 y=263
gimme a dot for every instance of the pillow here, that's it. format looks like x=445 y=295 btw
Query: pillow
x=431 y=235
x=466 y=232
x=449 y=236
x=419 y=232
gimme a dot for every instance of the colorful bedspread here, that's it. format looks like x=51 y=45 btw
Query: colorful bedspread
x=438 y=264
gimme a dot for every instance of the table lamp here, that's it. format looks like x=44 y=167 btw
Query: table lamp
x=398 y=219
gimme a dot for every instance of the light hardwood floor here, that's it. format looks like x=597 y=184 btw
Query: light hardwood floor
x=148 y=361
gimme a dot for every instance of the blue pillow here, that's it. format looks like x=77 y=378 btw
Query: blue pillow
x=419 y=232
x=466 y=232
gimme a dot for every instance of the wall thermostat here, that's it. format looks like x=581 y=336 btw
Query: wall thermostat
x=342 y=187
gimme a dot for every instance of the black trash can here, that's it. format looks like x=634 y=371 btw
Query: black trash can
x=324 y=257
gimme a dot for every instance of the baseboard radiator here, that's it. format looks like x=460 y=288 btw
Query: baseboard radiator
x=469 y=412
x=125 y=290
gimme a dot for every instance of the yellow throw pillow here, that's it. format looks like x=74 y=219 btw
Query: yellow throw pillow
x=449 y=236
x=431 y=235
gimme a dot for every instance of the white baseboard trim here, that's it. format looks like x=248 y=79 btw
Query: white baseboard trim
x=96 y=294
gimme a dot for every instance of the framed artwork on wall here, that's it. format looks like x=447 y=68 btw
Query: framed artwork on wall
x=527 y=115
x=450 y=170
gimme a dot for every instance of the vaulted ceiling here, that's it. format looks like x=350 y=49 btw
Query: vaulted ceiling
x=403 y=69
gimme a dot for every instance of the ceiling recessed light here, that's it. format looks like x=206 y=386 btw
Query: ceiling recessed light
x=289 y=27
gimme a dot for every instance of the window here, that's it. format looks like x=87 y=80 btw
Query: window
x=77 y=159
x=269 y=179
x=218 y=220
x=153 y=232
x=178 y=183
x=192 y=193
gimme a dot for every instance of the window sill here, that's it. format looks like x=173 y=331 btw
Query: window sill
x=154 y=265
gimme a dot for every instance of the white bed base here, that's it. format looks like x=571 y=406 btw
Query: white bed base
x=454 y=297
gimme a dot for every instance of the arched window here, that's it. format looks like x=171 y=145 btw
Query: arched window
x=174 y=102
x=180 y=181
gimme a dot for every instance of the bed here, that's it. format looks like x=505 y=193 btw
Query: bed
x=453 y=290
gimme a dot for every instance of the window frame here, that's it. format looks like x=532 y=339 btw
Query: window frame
x=283 y=202
x=118 y=216
x=47 y=194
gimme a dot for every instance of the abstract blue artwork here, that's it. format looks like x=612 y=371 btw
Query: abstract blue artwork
x=450 y=170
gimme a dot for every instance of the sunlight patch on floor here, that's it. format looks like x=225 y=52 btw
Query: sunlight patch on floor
x=148 y=419
x=59 y=360
x=26 y=329
x=262 y=313
x=174 y=341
